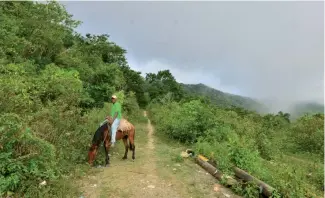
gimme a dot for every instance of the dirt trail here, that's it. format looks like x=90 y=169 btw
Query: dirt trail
x=150 y=132
x=149 y=175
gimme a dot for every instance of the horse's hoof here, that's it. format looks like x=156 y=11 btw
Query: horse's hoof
x=124 y=158
x=107 y=165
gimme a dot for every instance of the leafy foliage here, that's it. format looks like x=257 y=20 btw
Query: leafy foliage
x=269 y=147
x=307 y=133
x=25 y=157
x=162 y=83
x=54 y=83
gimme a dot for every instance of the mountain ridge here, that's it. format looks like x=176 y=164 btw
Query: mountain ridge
x=225 y=99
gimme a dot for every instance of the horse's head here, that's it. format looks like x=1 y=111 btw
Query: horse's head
x=92 y=153
x=99 y=136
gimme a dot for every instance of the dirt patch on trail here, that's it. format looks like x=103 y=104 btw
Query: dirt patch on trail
x=150 y=138
x=150 y=130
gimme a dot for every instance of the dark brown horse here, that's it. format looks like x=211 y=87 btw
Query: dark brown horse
x=126 y=132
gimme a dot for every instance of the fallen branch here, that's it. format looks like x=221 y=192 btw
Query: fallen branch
x=239 y=173
x=203 y=162
x=136 y=172
x=266 y=189
x=25 y=156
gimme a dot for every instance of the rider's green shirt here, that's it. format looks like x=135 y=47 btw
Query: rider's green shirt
x=116 y=108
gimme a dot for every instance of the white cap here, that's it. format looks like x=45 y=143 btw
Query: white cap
x=114 y=96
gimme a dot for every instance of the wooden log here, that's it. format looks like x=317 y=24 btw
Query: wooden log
x=265 y=188
x=203 y=162
x=239 y=173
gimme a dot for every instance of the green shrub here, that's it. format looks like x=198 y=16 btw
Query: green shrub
x=186 y=123
x=307 y=132
x=26 y=160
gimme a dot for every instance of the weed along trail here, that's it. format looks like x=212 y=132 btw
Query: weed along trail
x=154 y=173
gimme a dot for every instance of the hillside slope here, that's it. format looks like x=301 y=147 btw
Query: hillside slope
x=227 y=100
x=300 y=109
x=223 y=99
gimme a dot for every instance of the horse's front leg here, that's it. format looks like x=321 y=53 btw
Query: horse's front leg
x=107 y=146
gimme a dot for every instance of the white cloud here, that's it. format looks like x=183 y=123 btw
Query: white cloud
x=182 y=75
x=270 y=50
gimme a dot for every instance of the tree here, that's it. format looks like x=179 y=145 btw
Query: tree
x=136 y=83
x=162 y=83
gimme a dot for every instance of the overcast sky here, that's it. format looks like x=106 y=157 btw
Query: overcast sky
x=264 y=50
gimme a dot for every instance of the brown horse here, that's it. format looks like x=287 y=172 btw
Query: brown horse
x=125 y=131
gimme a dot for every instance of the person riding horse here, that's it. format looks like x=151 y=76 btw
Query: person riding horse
x=120 y=129
x=116 y=114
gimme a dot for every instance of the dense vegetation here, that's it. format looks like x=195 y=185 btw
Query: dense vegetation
x=287 y=155
x=54 y=85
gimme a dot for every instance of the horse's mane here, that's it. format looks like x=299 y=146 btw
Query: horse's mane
x=99 y=134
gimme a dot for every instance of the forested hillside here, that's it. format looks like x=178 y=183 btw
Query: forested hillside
x=222 y=99
x=54 y=84
x=227 y=100
x=306 y=108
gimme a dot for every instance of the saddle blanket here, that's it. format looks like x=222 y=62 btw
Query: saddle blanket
x=123 y=126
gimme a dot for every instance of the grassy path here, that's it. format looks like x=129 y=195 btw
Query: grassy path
x=156 y=172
